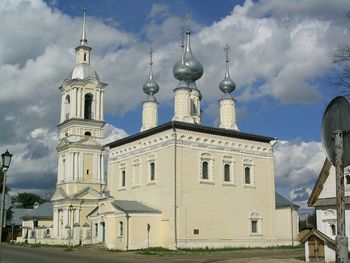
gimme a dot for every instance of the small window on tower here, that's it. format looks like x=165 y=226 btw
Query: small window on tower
x=87 y=133
x=347 y=177
x=84 y=56
x=87 y=171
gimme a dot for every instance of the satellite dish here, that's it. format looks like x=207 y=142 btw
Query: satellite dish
x=336 y=117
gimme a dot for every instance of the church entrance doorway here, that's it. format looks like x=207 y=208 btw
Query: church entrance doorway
x=103 y=231
x=316 y=248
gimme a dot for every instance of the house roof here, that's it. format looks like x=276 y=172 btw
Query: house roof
x=282 y=201
x=17 y=214
x=44 y=211
x=319 y=183
x=191 y=127
x=134 y=207
x=329 y=201
x=320 y=235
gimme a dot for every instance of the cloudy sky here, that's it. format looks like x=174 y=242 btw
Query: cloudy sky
x=281 y=60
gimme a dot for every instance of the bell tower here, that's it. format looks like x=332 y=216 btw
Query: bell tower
x=81 y=127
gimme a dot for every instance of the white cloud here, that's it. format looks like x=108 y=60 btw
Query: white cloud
x=297 y=166
x=112 y=134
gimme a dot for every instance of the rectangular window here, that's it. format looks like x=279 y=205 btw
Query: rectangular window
x=227 y=174
x=152 y=171
x=247 y=178
x=96 y=229
x=205 y=170
x=121 y=229
x=196 y=231
x=254 y=226
x=123 y=179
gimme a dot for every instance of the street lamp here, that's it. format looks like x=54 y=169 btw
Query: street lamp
x=5 y=165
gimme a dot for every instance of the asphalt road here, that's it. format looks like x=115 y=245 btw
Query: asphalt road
x=19 y=254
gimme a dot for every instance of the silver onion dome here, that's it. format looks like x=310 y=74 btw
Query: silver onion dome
x=227 y=85
x=188 y=68
x=150 y=87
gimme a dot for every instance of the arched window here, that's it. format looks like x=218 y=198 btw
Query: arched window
x=205 y=170
x=227 y=175
x=66 y=107
x=87 y=133
x=84 y=57
x=247 y=178
x=193 y=108
x=88 y=106
x=63 y=176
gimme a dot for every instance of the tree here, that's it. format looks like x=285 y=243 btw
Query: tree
x=342 y=59
x=27 y=200
x=308 y=222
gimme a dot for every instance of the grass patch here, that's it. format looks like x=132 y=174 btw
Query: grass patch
x=232 y=249
x=300 y=258
x=156 y=251
x=163 y=251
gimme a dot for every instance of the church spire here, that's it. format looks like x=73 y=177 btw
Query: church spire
x=83 y=40
x=151 y=87
x=150 y=105
x=227 y=85
x=227 y=103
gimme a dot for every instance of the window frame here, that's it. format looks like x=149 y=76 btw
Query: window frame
x=151 y=159
x=122 y=168
x=248 y=163
x=206 y=157
x=136 y=174
x=228 y=160
x=255 y=217
x=121 y=229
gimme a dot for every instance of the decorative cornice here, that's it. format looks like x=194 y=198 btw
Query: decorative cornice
x=81 y=121
x=192 y=127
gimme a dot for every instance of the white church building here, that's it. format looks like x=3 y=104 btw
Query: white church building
x=180 y=184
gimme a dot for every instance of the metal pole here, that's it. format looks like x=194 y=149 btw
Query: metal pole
x=12 y=231
x=2 y=209
x=341 y=239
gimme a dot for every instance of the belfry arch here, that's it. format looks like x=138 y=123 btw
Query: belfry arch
x=88 y=106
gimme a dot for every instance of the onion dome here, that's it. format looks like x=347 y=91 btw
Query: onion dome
x=188 y=68
x=227 y=85
x=150 y=87
x=83 y=71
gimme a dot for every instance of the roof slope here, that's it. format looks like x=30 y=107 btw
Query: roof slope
x=45 y=210
x=134 y=207
x=282 y=201
x=319 y=183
